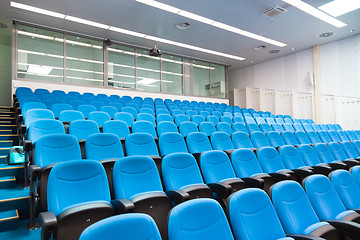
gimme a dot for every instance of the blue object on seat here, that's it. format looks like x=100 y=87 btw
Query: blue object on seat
x=81 y=129
x=270 y=160
x=146 y=117
x=224 y=127
x=44 y=127
x=171 y=142
x=109 y=110
x=99 y=117
x=59 y=107
x=117 y=127
x=221 y=141
x=239 y=127
x=289 y=138
x=241 y=140
x=324 y=137
x=142 y=144
x=295 y=211
x=302 y=137
x=143 y=126
x=101 y=146
x=130 y=110
x=36 y=114
x=247 y=208
x=198 y=142
x=199 y=219
x=125 y=226
x=207 y=127
x=187 y=127
x=126 y=117
x=259 y=140
x=274 y=139
x=70 y=115
x=313 y=137
x=86 y=109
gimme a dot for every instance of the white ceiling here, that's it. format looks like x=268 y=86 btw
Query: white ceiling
x=295 y=28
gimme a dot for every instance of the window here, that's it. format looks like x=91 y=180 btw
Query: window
x=148 y=72
x=217 y=75
x=201 y=78
x=40 y=54
x=172 y=74
x=121 y=66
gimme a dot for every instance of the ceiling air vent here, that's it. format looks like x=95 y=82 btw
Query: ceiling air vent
x=273 y=11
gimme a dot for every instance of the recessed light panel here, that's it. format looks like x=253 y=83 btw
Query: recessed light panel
x=340 y=7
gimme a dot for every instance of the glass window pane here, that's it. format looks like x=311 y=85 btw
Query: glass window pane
x=148 y=72
x=172 y=74
x=40 y=54
x=121 y=66
x=201 y=81
x=84 y=61
x=218 y=86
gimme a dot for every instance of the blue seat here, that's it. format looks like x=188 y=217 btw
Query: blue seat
x=289 y=138
x=252 y=127
x=313 y=137
x=324 y=137
x=41 y=91
x=288 y=120
x=325 y=155
x=298 y=127
x=249 y=120
x=70 y=115
x=144 y=127
x=342 y=136
x=57 y=108
x=187 y=127
x=31 y=105
x=221 y=141
x=307 y=127
x=259 y=140
x=351 y=136
x=247 y=208
x=86 y=109
x=274 y=139
x=181 y=118
x=270 y=161
x=117 y=127
x=277 y=127
x=355 y=172
x=259 y=120
x=111 y=110
x=302 y=137
x=75 y=103
x=338 y=127
x=44 y=127
x=333 y=136
x=350 y=150
x=237 y=119
x=302 y=121
x=171 y=142
x=126 y=117
x=241 y=140
x=310 y=158
x=162 y=111
x=176 y=112
x=199 y=219
x=130 y=110
x=296 y=213
x=165 y=127
x=29 y=99
x=217 y=114
x=164 y=118
x=224 y=127
x=99 y=117
x=315 y=127
x=117 y=105
x=324 y=127
x=142 y=144
x=279 y=120
x=198 y=142
x=339 y=154
x=191 y=113
x=50 y=101
x=74 y=94
x=226 y=119
x=81 y=129
x=288 y=127
x=204 y=114
x=131 y=106
x=102 y=146
x=270 y=120
x=36 y=114
x=207 y=127
x=197 y=119
x=146 y=117
x=292 y=159
x=239 y=127
x=213 y=119
x=123 y=226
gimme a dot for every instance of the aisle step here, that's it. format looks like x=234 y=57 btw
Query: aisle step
x=3 y=159
x=4 y=151
x=13 y=170
x=9 y=220
x=9 y=137
x=7 y=126
x=6 y=143
x=15 y=198
x=7 y=182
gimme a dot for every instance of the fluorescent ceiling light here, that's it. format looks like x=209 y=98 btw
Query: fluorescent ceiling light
x=208 y=21
x=35 y=35
x=87 y=22
x=147 y=81
x=128 y=32
x=36 y=10
x=340 y=7
x=315 y=12
x=39 y=70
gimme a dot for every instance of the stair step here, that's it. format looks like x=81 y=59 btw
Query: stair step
x=3 y=159
x=13 y=170
x=7 y=126
x=4 y=151
x=7 y=182
x=9 y=136
x=6 y=143
x=9 y=220
x=15 y=198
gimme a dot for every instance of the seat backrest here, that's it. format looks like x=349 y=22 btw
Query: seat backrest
x=259 y=120
x=333 y=136
x=44 y=127
x=249 y=120
x=68 y=185
x=295 y=120
x=238 y=119
x=308 y=155
x=346 y=187
x=180 y=170
x=176 y=112
x=275 y=139
x=288 y=120
x=207 y=127
x=165 y=127
x=226 y=119
x=291 y=157
x=75 y=103
x=265 y=127
x=323 y=197
x=212 y=119
x=324 y=153
x=187 y=127
x=111 y=110
x=199 y=219
x=289 y=138
x=293 y=206
x=245 y=163
x=58 y=107
x=302 y=121
x=130 y=110
x=270 y=120
x=270 y=160
x=315 y=127
x=36 y=114
x=86 y=109
x=277 y=127
x=349 y=150
x=313 y=137
x=351 y=136
x=146 y=117
x=337 y=151
x=298 y=127
x=342 y=136
x=31 y=105
x=204 y=113
x=99 y=117
x=239 y=127
x=70 y=115
x=164 y=118
x=55 y=148
x=307 y=127
x=162 y=111
x=198 y=142
x=197 y=119
x=81 y=129
x=224 y=127
x=101 y=146
x=259 y=140
x=301 y=137
x=246 y=209
x=171 y=142
x=221 y=141
x=355 y=172
x=134 y=176
x=181 y=118
x=324 y=137
x=126 y=117
x=241 y=140
x=142 y=144
x=117 y=127
x=143 y=126
x=125 y=226
x=288 y=127
x=252 y=127
x=338 y=127
x=279 y=120
x=323 y=127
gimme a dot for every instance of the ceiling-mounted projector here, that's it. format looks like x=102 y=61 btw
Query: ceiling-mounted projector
x=155 y=52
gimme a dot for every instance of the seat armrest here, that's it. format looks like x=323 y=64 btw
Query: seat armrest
x=48 y=224
x=34 y=172
x=27 y=145
x=178 y=196
x=122 y=206
x=19 y=118
x=349 y=228
x=254 y=182
x=22 y=129
x=223 y=190
x=304 y=237
x=302 y=172
x=322 y=169
x=280 y=176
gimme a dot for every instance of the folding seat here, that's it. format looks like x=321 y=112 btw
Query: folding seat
x=130 y=110
x=327 y=204
x=217 y=114
x=315 y=127
x=59 y=93
x=289 y=138
x=70 y=115
x=310 y=158
x=333 y=136
x=113 y=97
x=249 y=120
x=265 y=127
x=43 y=127
x=195 y=219
x=147 y=106
x=99 y=117
x=146 y=117
x=288 y=120
x=270 y=120
x=136 y=178
x=187 y=127
x=264 y=115
x=241 y=140
x=81 y=129
x=350 y=150
x=292 y=206
x=24 y=100
x=36 y=114
x=302 y=121
x=162 y=111
x=207 y=127
x=310 y=121
x=31 y=105
x=20 y=90
x=238 y=120
x=279 y=120
x=221 y=141
x=298 y=127
x=324 y=127
x=58 y=107
x=224 y=127
x=103 y=146
x=50 y=101
x=109 y=110
x=165 y=127
x=134 y=106
x=338 y=127
x=143 y=126
x=331 y=127
x=277 y=127
x=307 y=127
x=142 y=144
x=295 y=120
x=302 y=137
x=212 y=119
x=351 y=135
x=339 y=154
x=326 y=156
x=288 y=127
x=197 y=119
x=176 y=112
x=204 y=113
x=41 y=91
x=255 y=115
x=198 y=143
x=313 y=137
x=274 y=139
x=126 y=117
x=198 y=109
x=76 y=103
x=181 y=118
x=342 y=136
x=324 y=137
x=252 y=216
x=117 y=127
x=292 y=160
x=259 y=120
x=87 y=100
x=191 y=113
x=239 y=127
x=171 y=142
x=86 y=109
x=74 y=94
x=252 y=127
x=259 y=140
x=126 y=98
x=164 y=118
x=228 y=114
x=180 y=171
x=226 y=119
x=280 y=116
